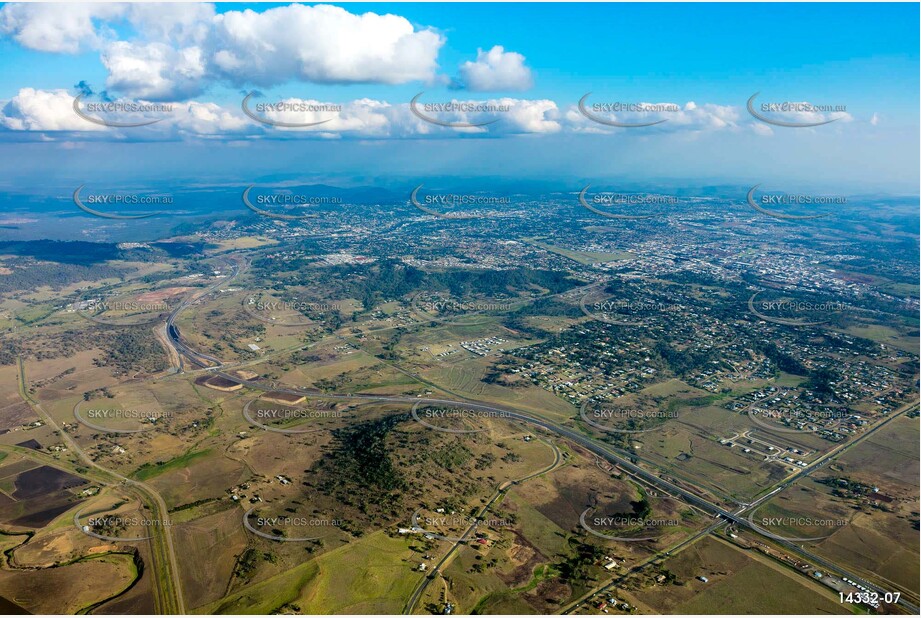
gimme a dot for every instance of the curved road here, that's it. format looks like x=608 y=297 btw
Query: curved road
x=171 y=600
x=717 y=511
x=501 y=491
x=650 y=477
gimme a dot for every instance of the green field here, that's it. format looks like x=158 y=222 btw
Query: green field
x=371 y=575
x=582 y=257
x=149 y=471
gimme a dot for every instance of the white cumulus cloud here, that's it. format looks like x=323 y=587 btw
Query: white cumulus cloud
x=154 y=71
x=183 y=23
x=179 y=50
x=496 y=70
x=323 y=43
x=43 y=110
x=670 y=116
x=63 y=28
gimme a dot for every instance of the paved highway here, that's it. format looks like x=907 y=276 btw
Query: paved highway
x=738 y=517
x=169 y=589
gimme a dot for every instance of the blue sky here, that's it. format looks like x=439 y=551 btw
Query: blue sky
x=705 y=58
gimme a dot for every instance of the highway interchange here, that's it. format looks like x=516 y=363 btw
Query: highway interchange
x=169 y=587
x=740 y=517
